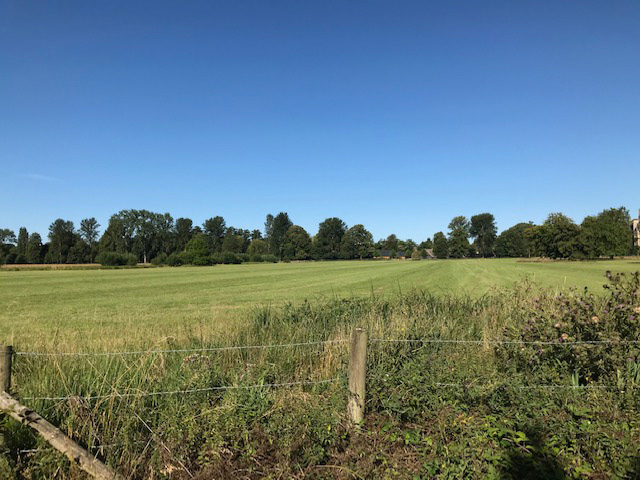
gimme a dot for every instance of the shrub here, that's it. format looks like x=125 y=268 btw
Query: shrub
x=114 y=259
x=416 y=255
x=173 y=260
x=230 y=258
x=256 y=258
x=270 y=258
x=160 y=259
x=554 y=326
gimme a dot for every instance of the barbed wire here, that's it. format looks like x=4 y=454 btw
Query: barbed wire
x=507 y=342
x=187 y=391
x=177 y=350
x=532 y=387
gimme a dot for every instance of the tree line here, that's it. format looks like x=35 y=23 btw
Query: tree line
x=134 y=236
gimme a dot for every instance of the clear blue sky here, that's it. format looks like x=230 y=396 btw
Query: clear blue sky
x=398 y=115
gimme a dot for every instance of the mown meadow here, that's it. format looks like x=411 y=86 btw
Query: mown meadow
x=551 y=402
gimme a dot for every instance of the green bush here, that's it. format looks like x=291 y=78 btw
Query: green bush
x=173 y=260
x=160 y=259
x=269 y=258
x=230 y=258
x=556 y=328
x=256 y=257
x=114 y=259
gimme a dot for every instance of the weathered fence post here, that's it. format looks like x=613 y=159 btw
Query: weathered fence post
x=357 y=374
x=6 y=354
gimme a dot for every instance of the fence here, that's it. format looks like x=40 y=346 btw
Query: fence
x=356 y=395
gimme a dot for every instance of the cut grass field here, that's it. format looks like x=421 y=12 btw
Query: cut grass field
x=145 y=306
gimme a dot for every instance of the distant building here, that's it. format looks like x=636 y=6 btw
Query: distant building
x=430 y=253
x=386 y=254
x=635 y=229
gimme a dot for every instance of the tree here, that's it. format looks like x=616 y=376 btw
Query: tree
x=440 y=245
x=327 y=242
x=256 y=235
x=428 y=243
x=184 y=233
x=390 y=243
x=557 y=237
x=215 y=229
x=513 y=242
x=232 y=242
x=258 y=246
x=23 y=240
x=607 y=234
x=196 y=251
x=297 y=244
x=416 y=255
x=268 y=229
x=483 y=229
x=458 y=237
x=7 y=237
x=357 y=242
x=34 y=248
x=89 y=233
x=279 y=226
x=80 y=252
x=61 y=238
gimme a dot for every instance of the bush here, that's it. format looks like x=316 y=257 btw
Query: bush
x=270 y=258
x=114 y=259
x=416 y=255
x=173 y=260
x=555 y=325
x=230 y=258
x=256 y=258
x=160 y=259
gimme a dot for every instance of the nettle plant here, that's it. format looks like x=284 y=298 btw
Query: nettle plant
x=589 y=337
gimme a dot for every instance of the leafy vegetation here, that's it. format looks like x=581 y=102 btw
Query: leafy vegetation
x=433 y=409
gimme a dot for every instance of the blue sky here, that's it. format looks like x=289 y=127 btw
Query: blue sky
x=398 y=115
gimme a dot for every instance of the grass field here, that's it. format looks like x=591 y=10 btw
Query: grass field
x=82 y=307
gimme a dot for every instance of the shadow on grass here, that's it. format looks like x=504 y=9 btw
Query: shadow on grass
x=532 y=463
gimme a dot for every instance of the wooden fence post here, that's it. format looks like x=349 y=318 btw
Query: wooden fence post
x=357 y=374
x=6 y=354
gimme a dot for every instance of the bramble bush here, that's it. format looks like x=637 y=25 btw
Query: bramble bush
x=556 y=324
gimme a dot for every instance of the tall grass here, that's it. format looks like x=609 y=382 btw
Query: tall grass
x=480 y=424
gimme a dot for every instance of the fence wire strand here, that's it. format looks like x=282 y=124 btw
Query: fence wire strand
x=566 y=343
x=188 y=391
x=179 y=350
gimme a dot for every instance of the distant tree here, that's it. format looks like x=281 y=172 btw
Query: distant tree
x=215 y=229
x=197 y=250
x=391 y=243
x=268 y=229
x=232 y=242
x=297 y=244
x=458 y=237
x=440 y=245
x=428 y=243
x=279 y=226
x=327 y=242
x=258 y=247
x=513 y=242
x=408 y=246
x=23 y=240
x=256 y=235
x=7 y=237
x=557 y=237
x=80 y=252
x=184 y=233
x=416 y=255
x=90 y=234
x=607 y=234
x=357 y=242
x=483 y=229
x=34 y=249
x=61 y=238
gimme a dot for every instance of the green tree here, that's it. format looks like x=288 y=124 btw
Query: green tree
x=258 y=246
x=607 y=234
x=61 y=238
x=197 y=250
x=280 y=224
x=215 y=229
x=80 y=252
x=23 y=240
x=513 y=242
x=232 y=242
x=357 y=242
x=416 y=255
x=458 y=237
x=327 y=242
x=184 y=233
x=297 y=244
x=90 y=234
x=391 y=242
x=557 y=237
x=440 y=245
x=428 y=243
x=34 y=249
x=483 y=229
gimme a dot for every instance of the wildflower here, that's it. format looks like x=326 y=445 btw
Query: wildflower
x=558 y=325
x=564 y=337
x=636 y=309
x=595 y=319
